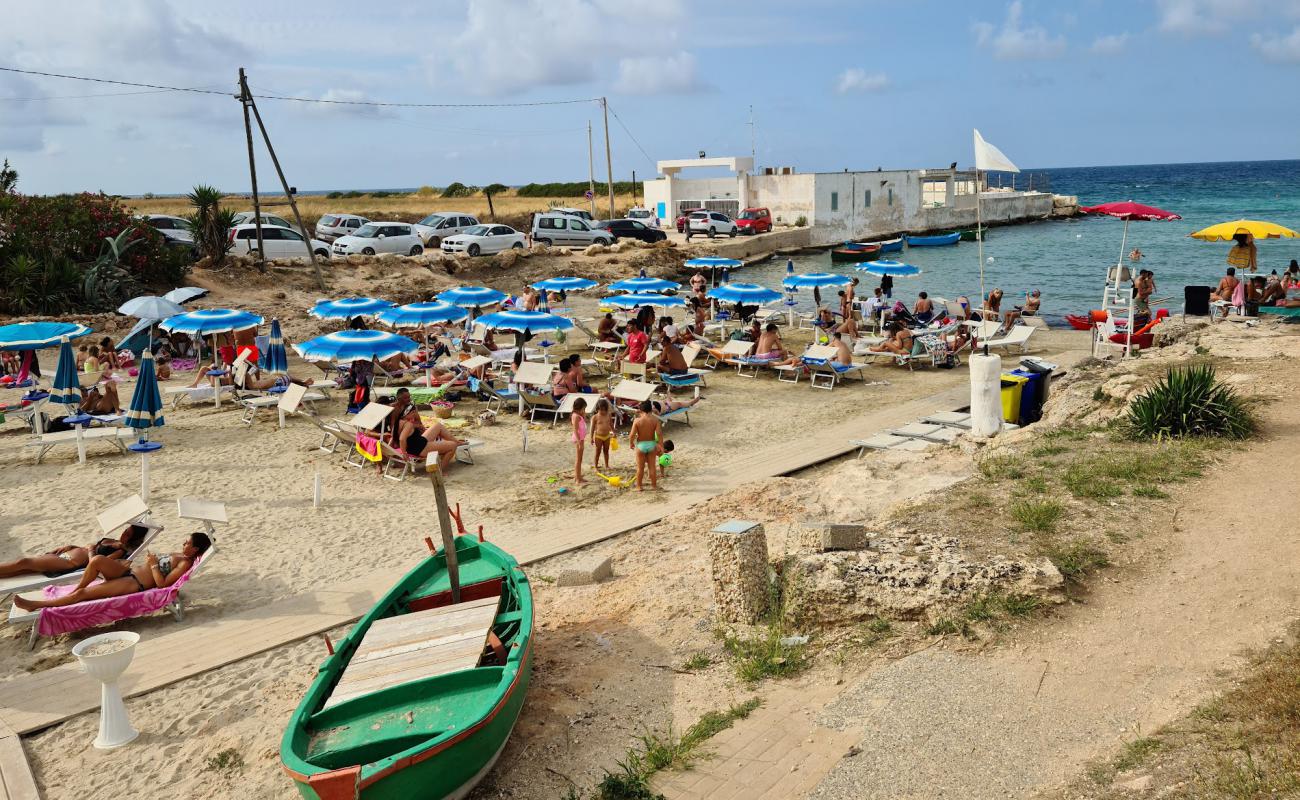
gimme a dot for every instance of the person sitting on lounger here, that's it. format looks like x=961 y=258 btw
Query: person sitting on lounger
x=1272 y=293
x=771 y=350
x=418 y=441
x=1226 y=287
x=121 y=578
x=924 y=309
x=843 y=355
x=100 y=399
x=899 y=341
x=577 y=377
x=671 y=361
x=72 y=557
x=608 y=330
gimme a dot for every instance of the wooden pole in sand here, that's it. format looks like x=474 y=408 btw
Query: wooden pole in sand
x=609 y=160
x=444 y=524
x=245 y=98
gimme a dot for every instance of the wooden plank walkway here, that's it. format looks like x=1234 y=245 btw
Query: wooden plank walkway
x=34 y=702
x=16 y=780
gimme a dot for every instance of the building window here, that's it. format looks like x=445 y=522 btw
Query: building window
x=866 y=199
x=835 y=201
x=934 y=194
x=891 y=195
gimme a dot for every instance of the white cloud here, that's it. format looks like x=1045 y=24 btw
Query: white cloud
x=674 y=74
x=1217 y=17
x=1285 y=50
x=341 y=102
x=1016 y=41
x=512 y=46
x=859 y=80
x=1110 y=44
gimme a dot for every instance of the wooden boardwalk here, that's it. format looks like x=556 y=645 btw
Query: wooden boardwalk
x=33 y=702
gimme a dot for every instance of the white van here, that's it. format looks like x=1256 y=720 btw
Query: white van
x=562 y=229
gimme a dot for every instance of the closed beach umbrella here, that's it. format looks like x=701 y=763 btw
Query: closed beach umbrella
x=38 y=335
x=744 y=293
x=185 y=294
x=643 y=285
x=67 y=386
x=524 y=321
x=472 y=296
x=145 y=412
x=345 y=346
x=894 y=269
x=349 y=307
x=275 y=360
x=642 y=299
x=565 y=283
x=1224 y=231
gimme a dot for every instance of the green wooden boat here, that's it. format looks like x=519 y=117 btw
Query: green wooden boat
x=418 y=700
x=973 y=235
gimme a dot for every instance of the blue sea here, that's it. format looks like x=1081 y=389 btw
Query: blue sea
x=1067 y=259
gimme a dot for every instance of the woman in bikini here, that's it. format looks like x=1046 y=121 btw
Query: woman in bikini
x=578 y=419
x=70 y=556
x=899 y=341
x=120 y=578
x=602 y=432
x=644 y=436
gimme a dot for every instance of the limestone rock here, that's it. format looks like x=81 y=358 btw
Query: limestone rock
x=355 y=260
x=821 y=537
x=593 y=570
x=539 y=248
x=738 y=557
x=595 y=250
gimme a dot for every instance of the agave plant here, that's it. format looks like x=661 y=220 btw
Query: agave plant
x=1191 y=401
x=106 y=283
x=210 y=224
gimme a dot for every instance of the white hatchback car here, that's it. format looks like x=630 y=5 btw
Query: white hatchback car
x=710 y=223
x=380 y=237
x=247 y=218
x=484 y=239
x=332 y=226
x=279 y=242
x=644 y=216
x=438 y=226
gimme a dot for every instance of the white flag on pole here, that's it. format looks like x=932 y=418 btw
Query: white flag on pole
x=989 y=158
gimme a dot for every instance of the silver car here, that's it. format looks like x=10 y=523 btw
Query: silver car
x=332 y=226
x=441 y=224
x=562 y=229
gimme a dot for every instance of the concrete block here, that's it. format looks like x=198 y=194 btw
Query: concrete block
x=738 y=558
x=821 y=537
x=592 y=570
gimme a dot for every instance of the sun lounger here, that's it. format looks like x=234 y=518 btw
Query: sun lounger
x=131 y=511
x=372 y=417
x=951 y=419
x=206 y=512
x=48 y=441
x=889 y=441
x=495 y=397
x=409 y=464
x=287 y=402
x=824 y=373
x=197 y=394
x=66 y=619
x=927 y=431
x=1018 y=336
x=732 y=349
x=539 y=402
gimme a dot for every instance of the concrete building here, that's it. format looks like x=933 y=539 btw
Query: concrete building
x=836 y=206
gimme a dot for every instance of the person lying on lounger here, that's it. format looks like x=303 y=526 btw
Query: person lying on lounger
x=70 y=557
x=899 y=341
x=121 y=578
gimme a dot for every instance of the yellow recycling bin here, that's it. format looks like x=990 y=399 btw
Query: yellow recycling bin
x=1012 y=388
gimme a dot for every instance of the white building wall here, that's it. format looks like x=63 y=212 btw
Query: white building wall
x=788 y=197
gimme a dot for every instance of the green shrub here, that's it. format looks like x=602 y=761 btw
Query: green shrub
x=426 y=191
x=458 y=190
x=1190 y=401
x=1040 y=516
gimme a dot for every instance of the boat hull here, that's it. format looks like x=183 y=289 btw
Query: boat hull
x=891 y=246
x=934 y=241
x=855 y=254
x=973 y=235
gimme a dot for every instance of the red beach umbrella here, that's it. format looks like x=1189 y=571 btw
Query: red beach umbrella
x=1127 y=209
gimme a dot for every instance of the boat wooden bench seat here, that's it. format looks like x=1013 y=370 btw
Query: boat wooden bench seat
x=418 y=645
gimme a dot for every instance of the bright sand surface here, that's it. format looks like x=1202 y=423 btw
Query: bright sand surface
x=277 y=545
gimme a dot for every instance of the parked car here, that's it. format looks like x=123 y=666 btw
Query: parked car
x=332 y=226
x=754 y=220
x=644 y=216
x=279 y=242
x=555 y=228
x=574 y=212
x=247 y=218
x=173 y=228
x=711 y=223
x=685 y=215
x=484 y=239
x=380 y=237
x=439 y=225
x=631 y=229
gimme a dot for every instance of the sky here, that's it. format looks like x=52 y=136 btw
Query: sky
x=832 y=85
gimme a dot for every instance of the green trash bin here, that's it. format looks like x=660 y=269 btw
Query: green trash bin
x=1013 y=387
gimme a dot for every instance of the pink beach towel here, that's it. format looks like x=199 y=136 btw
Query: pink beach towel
x=368 y=447
x=65 y=619
x=1239 y=295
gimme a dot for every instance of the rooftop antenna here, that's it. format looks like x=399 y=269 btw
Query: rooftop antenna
x=753 y=152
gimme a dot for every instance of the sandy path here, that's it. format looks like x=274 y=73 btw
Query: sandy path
x=1143 y=651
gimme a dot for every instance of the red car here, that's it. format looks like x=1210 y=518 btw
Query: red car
x=685 y=215
x=754 y=220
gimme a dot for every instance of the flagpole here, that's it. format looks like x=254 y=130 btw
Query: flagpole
x=979 y=231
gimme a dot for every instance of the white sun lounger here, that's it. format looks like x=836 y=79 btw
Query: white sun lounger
x=287 y=402
x=732 y=349
x=1018 y=336
x=197 y=394
x=407 y=464
x=48 y=441
x=207 y=512
x=131 y=511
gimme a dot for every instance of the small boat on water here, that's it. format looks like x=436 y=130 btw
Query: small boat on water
x=975 y=234
x=891 y=245
x=418 y=700
x=934 y=241
x=855 y=252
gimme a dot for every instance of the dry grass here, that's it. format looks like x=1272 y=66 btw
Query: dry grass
x=403 y=207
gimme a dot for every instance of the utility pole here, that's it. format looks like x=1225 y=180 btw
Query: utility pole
x=609 y=160
x=591 y=170
x=634 y=187
x=320 y=279
x=753 y=152
x=246 y=99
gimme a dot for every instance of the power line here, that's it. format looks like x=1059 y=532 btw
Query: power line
x=288 y=98
x=619 y=120
x=81 y=96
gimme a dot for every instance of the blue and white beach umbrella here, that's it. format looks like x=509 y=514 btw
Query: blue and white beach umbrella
x=185 y=294
x=524 y=321
x=894 y=269
x=565 y=283
x=713 y=263
x=275 y=361
x=420 y=315
x=349 y=307
x=37 y=335
x=472 y=296
x=150 y=307
x=145 y=410
x=643 y=285
x=815 y=280
x=67 y=387
x=345 y=346
x=642 y=299
x=744 y=293
x=207 y=321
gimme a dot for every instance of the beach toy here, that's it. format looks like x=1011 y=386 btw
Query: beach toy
x=666 y=460
x=618 y=482
x=613 y=443
x=553 y=479
x=563 y=490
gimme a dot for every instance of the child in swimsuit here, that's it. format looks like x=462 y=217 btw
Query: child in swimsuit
x=579 y=421
x=602 y=432
x=645 y=438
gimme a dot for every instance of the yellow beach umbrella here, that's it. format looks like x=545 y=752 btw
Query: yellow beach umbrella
x=1224 y=231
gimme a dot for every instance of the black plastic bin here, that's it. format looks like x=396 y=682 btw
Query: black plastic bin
x=1196 y=301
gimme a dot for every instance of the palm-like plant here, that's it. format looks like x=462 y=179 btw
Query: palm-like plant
x=210 y=224
x=1191 y=401
x=107 y=284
